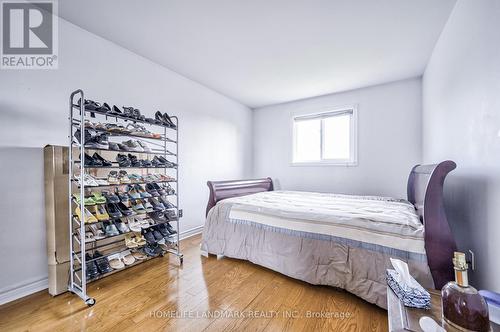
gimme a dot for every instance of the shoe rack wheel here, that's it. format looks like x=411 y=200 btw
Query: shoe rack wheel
x=90 y=302
x=181 y=260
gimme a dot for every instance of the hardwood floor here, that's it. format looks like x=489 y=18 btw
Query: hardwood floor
x=205 y=294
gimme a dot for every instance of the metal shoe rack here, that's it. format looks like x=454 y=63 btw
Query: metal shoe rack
x=78 y=246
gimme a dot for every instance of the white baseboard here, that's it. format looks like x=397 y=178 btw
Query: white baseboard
x=19 y=291
x=23 y=290
x=191 y=232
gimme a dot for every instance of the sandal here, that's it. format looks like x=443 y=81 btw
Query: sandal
x=110 y=197
x=100 y=213
x=139 y=255
x=130 y=241
x=115 y=262
x=98 y=233
x=127 y=257
x=89 y=217
x=88 y=201
x=98 y=197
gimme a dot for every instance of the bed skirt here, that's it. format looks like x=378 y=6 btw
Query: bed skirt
x=317 y=261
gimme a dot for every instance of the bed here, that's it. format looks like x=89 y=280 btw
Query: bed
x=338 y=240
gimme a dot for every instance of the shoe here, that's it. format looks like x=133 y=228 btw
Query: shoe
x=123 y=177
x=98 y=198
x=96 y=141
x=168 y=121
x=87 y=201
x=122 y=147
x=110 y=197
x=158 y=216
x=113 y=210
x=156 y=162
x=157 y=206
x=135 y=178
x=142 y=192
x=166 y=203
x=170 y=215
x=127 y=258
x=163 y=230
x=124 y=197
x=147 y=206
x=113 y=177
x=115 y=262
x=110 y=229
x=124 y=210
x=152 y=190
x=130 y=241
x=104 y=162
x=123 y=160
x=152 y=249
x=139 y=239
x=146 y=163
x=159 y=189
x=134 y=161
x=170 y=229
x=113 y=146
x=132 y=192
x=102 y=263
x=91 y=270
x=139 y=255
x=100 y=182
x=169 y=189
x=89 y=217
x=133 y=146
x=100 y=212
x=122 y=227
x=157 y=235
x=149 y=236
x=134 y=225
x=97 y=231
x=88 y=181
x=144 y=146
x=138 y=207
x=90 y=162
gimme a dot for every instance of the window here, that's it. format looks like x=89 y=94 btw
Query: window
x=325 y=138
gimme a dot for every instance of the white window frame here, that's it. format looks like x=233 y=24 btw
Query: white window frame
x=332 y=111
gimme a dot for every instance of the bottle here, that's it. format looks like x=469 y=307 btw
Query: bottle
x=463 y=307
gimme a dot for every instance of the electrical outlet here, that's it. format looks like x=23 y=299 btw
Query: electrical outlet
x=472 y=260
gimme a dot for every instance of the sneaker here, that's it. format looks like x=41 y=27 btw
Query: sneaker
x=99 y=158
x=123 y=160
x=114 y=146
x=144 y=146
x=133 y=146
x=152 y=190
x=113 y=210
x=135 y=162
x=156 y=204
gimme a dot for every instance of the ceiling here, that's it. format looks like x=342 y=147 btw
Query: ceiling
x=262 y=52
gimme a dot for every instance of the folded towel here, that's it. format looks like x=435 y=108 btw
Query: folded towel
x=414 y=296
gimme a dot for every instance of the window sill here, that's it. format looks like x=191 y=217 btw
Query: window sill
x=323 y=163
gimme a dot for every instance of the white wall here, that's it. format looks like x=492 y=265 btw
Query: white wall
x=215 y=136
x=389 y=141
x=461 y=121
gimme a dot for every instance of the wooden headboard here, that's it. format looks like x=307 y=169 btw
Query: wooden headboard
x=220 y=190
x=425 y=192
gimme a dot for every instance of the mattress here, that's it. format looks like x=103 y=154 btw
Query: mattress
x=326 y=239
